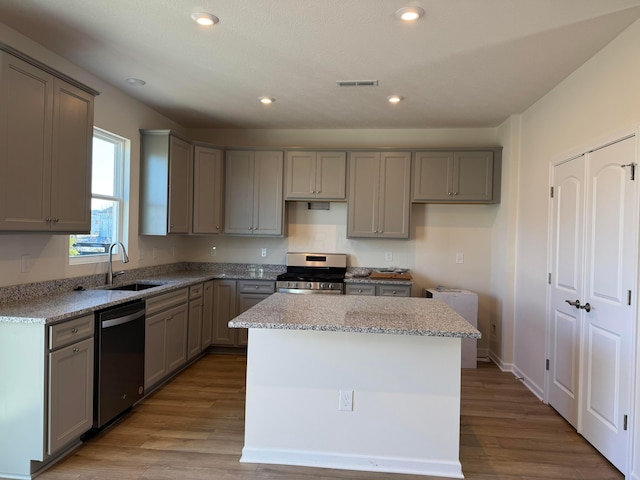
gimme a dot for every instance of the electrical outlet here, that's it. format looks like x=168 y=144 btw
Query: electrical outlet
x=388 y=256
x=214 y=251
x=263 y=252
x=459 y=257
x=346 y=401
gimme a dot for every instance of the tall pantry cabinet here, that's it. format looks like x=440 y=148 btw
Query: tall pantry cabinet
x=46 y=131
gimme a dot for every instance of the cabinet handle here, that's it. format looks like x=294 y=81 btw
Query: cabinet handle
x=48 y=219
x=360 y=290
x=56 y=220
x=76 y=349
x=74 y=330
x=455 y=193
x=217 y=227
x=393 y=292
x=257 y=287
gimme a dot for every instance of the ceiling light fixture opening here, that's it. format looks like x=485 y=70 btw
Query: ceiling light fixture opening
x=135 y=82
x=205 y=19
x=410 y=14
x=267 y=100
x=393 y=99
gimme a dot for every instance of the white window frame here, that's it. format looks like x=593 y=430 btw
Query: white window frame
x=120 y=196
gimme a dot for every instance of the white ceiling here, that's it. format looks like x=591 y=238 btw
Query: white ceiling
x=466 y=63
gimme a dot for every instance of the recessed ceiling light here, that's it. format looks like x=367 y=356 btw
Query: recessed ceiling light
x=394 y=99
x=135 y=82
x=267 y=100
x=205 y=19
x=409 y=14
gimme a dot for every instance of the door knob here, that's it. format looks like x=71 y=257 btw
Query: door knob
x=574 y=304
x=586 y=307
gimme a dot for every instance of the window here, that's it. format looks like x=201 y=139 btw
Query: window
x=107 y=199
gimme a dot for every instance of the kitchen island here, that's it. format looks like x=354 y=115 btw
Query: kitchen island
x=350 y=382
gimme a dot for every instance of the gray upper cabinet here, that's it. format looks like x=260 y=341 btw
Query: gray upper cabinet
x=456 y=176
x=207 y=190
x=46 y=130
x=315 y=176
x=254 y=203
x=379 y=195
x=165 y=183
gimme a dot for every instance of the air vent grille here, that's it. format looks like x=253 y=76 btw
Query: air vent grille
x=357 y=83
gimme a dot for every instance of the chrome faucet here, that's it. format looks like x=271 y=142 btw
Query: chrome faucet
x=125 y=259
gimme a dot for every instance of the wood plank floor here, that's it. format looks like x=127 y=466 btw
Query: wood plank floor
x=192 y=429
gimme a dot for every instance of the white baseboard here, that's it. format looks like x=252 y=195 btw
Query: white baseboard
x=352 y=462
x=531 y=385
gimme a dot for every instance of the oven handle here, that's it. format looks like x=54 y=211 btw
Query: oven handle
x=120 y=320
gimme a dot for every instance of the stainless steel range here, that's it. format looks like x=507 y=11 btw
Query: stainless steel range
x=313 y=273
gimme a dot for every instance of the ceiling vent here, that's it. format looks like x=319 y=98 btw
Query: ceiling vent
x=357 y=83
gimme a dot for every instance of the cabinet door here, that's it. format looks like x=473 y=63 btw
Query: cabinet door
x=238 y=188
x=395 y=190
x=71 y=159
x=224 y=307
x=155 y=359
x=207 y=314
x=268 y=203
x=207 y=190
x=331 y=169
x=432 y=176
x=194 y=346
x=70 y=394
x=176 y=335
x=364 y=191
x=473 y=177
x=300 y=175
x=26 y=103
x=179 y=185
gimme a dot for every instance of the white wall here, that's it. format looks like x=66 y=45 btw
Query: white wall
x=596 y=101
x=119 y=114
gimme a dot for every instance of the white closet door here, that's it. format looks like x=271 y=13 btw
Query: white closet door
x=566 y=285
x=610 y=270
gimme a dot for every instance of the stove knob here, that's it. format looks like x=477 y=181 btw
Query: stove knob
x=330 y=286
x=323 y=286
x=291 y=285
x=309 y=285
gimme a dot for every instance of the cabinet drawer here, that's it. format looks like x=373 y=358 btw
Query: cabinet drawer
x=162 y=302
x=360 y=289
x=195 y=291
x=71 y=331
x=393 y=290
x=256 y=286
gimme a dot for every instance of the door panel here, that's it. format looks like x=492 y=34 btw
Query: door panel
x=567 y=259
x=610 y=272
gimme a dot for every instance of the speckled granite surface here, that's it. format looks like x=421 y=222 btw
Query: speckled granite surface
x=50 y=302
x=353 y=313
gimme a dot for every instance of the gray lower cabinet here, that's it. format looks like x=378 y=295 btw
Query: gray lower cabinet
x=46 y=129
x=232 y=298
x=254 y=203
x=379 y=195
x=208 y=194
x=456 y=176
x=224 y=308
x=207 y=314
x=165 y=183
x=196 y=315
x=381 y=290
x=315 y=175
x=70 y=390
x=165 y=335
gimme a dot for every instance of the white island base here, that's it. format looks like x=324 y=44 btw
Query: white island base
x=406 y=401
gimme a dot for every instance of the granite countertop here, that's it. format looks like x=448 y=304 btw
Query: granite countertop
x=377 y=281
x=57 y=307
x=353 y=313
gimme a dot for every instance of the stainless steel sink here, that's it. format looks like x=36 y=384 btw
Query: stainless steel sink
x=135 y=287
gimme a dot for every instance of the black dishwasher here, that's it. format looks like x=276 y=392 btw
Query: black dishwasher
x=119 y=362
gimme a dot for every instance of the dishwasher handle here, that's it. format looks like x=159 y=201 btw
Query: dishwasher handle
x=120 y=320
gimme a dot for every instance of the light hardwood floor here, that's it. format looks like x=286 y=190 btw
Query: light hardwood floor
x=192 y=429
